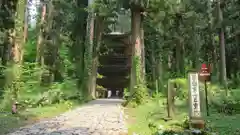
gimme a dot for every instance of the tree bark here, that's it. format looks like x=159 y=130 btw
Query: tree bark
x=136 y=57
x=238 y=50
x=160 y=71
x=153 y=68
x=223 y=73
x=89 y=54
x=196 y=47
x=40 y=45
x=17 y=41
x=97 y=44
x=79 y=38
x=142 y=49
x=179 y=49
x=26 y=24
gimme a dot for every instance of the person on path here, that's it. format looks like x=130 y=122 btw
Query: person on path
x=109 y=93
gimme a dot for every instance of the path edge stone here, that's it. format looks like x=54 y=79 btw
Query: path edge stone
x=122 y=118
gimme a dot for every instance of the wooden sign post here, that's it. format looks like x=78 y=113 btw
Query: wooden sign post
x=170 y=99
x=194 y=98
x=205 y=76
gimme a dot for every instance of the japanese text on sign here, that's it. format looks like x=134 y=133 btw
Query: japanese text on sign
x=194 y=95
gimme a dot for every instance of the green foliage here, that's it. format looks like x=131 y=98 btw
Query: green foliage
x=99 y=76
x=32 y=94
x=126 y=93
x=216 y=94
x=105 y=8
x=234 y=82
x=181 y=88
x=28 y=87
x=29 y=48
x=188 y=28
x=139 y=93
x=150 y=118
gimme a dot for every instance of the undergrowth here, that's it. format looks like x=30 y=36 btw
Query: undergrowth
x=137 y=97
x=33 y=94
x=36 y=101
x=150 y=118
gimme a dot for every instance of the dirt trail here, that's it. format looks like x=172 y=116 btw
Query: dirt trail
x=98 y=117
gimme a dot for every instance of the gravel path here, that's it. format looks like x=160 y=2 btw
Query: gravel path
x=99 y=117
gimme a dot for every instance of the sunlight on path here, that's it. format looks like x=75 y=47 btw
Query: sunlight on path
x=99 y=117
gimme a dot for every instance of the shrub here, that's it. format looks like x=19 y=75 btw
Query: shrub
x=32 y=94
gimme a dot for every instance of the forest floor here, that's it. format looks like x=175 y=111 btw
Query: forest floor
x=98 y=117
x=150 y=119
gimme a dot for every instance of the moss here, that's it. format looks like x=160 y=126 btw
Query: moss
x=139 y=93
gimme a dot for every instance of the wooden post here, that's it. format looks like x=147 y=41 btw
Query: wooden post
x=156 y=83
x=170 y=97
x=196 y=120
x=206 y=97
x=205 y=76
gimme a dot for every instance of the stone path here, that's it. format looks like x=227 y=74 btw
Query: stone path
x=99 y=117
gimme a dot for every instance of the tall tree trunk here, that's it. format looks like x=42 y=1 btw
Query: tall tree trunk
x=179 y=49
x=159 y=68
x=26 y=23
x=97 y=44
x=40 y=45
x=8 y=8
x=49 y=47
x=170 y=61
x=223 y=73
x=143 y=70
x=19 y=32
x=136 y=49
x=17 y=40
x=153 y=68
x=238 y=50
x=89 y=53
x=196 y=48
x=78 y=47
x=212 y=51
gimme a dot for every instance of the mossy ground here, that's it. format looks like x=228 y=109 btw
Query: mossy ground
x=152 y=113
x=142 y=119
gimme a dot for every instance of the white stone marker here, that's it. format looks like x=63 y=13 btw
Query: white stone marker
x=194 y=96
